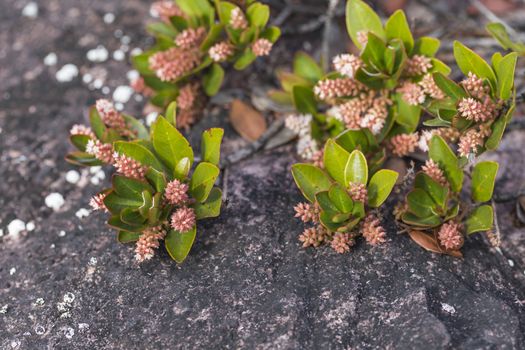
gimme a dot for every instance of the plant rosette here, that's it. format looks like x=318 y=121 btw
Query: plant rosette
x=341 y=198
x=157 y=192
x=193 y=41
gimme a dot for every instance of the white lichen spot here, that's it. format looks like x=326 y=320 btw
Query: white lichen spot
x=82 y=213
x=54 y=201
x=136 y=51
x=15 y=344
x=83 y=327
x=98 y=54
x=67 y=73
x=98 y=176
x=1 y=232
x=12 y=271
x=15 y=227
x=87 y=78
x=30 y=226
x=62 y=233
x=39 y=302
x=105 y=90
x=132 y=75
x=3 y=309
x=109 y=18
x=40 y=330
x=122 y=94
x=69 y=332
x=119 y=55
x=30 y=10
x=50 y=59
x=151 y=117
x=93 y=261
x=72 y=176
x=511 y=263
x=125 y=40
x=448 y=308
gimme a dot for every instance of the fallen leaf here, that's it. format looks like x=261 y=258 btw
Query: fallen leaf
x=248 y=122
x=426 y=241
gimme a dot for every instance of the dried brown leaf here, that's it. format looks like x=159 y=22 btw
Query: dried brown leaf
x=426 y=241
x=248 y=122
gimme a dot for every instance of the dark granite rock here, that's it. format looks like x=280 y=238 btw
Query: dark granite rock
x=247 y=283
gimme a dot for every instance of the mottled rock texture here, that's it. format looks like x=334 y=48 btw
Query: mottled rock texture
x=247 y=283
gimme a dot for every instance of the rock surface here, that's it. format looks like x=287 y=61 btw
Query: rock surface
x=65 y=283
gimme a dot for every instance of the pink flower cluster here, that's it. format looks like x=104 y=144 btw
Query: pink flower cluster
x=367 y=110
x=176 y=192
x=358 y=192
x=175 y=62
x=148 y=242
x=450 y=236
x=434 y=172
x=190 y=38
x=101 y=151
x=404 y=144
x=165 y=10
x=329 y=89
x=221 y=51
x=129 y=167
x=183 y=219
x=112 y=118
x=372 y=230
x=417 y=65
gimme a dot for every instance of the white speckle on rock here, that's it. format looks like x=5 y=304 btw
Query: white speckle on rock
x=94 y=169
x=12 y=271
x=105 y=90
x=39 y=302
x=30 y=10
x=72 y=176
x=93 y=261
x=98 y=54
x=119 y=106
x=448 y=308
x=69 y=298
x=15 y=343
x=3 y=309
x=54 y=201
x=136 y=51
x=30 y=226
x=119 y=55
x=87 y=78
x=98 y=83
x=125 y=40
x=51 y=59
x=1 y=232
x=151 y=117
x=122 y=94
x=69 y=332
x=511 y=263
x=67 y=73
x=109 y=18
x=15 y=227
x=83 y=326
x=39 y=330
x=82 y=213
x=132 y=75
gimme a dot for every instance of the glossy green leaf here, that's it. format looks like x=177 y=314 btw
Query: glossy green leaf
x=116 y=203
x=326 y=204
x=397 y=28
x=131 y=216
x=449 y=87
x=211 y=145
x=80 y=141
x=380 y=187
x=212 y=80
x=420 y=203
x=426 y=46
x=118 y=224
x=437 y=192
x=469 y=61
x=505 y=71
x=499 y=32
x=245 y=59
x=340 y=198
x=360 y=17
x=211 y=208
x=139 y=153
x=483 y=180
x=304 y=100
x=182 y=169
x=498 y=128
x=128 y=237
x=97 y=125
x=336 y=162
x=428 y=222
x=258 y=15
x=82 y=159
x=306 y=67
x=156 y=179
x=407 y=115
x=202 y=180
x=441 y=153
x=356 y=170
x=178 y=244
x=169 y=143
x=129 y=188
x=137 y=127
x=481 y=219
x=310 y=180
x=147 y=201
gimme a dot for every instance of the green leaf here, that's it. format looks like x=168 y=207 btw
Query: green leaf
x=202 y=180
x=139 y=153
x=116 y=203
x=178 y=244
x=169 y=143
x=147 y=202
x=310 y=180
x=428 y=222
x=437 y=192
x=407 y=115
x=258 y=15
x=380 y=186
x=141 y=63
x=356 y=170
x=361 y=139
x=426 y=46
x=306 y=67
x=211 y=208
x=499 y=32
x=483 y=179
x=131 y=216
x=82 y=159
x=440 y=153
x=214 y=34
x=505 y=71
x=80 y=141
x=128 y=237
x=271 y=33
x=397 y=28
x=245 y=59
x=420 y=203
x=212 y=80
x=97 y=125
x=157 y=179
x=324 y=201
x=336 y=162
x=138 y=127
x=449 y=87
x=129 y=188
x=161 y=28
x=340 y=198
x=360 y=17
x=200 y=9
x=182 y=169
x=374 y=52
x=498 y=128
x=211 y=145
x=469 y=61
x=327 y=221
x=171 y=113
x=304 y=100
x=481 y=219
x=118 y=224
